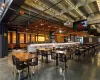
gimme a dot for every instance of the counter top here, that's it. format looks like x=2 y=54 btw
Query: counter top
x=33 y=47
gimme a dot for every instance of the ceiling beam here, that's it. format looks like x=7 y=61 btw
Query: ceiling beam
x=75 y=8
x=44 y=11
x=98 y=4
x=61 y=7
x=87 y=2
x=15 y=5
x=5 y=10
x=86 y=6
x=31 y=11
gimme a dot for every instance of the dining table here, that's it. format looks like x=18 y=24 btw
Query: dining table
x=24 y=57
x=47 y=52
x=66 y=55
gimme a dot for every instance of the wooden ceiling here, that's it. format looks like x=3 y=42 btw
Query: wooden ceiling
x=43 y=26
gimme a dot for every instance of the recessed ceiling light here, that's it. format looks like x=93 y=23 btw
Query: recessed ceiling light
x=36 y=26
x=49 y=26
x=42 y=24
x=35 y=0
x=27 y=29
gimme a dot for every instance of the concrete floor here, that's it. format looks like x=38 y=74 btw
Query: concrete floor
x=87 y=69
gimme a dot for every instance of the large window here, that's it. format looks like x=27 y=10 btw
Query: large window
x=28 y=38
x=32 y=38
x=8 y=37
x=13 y=37
x=21 y=38
x=40 y=38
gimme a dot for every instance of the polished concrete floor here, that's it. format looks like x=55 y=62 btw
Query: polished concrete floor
x=87 y=69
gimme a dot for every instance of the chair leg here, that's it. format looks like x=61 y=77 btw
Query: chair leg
x=33 y=69
x=19 y=74
x=13 y=70
x=32 y=72
x=14 y=74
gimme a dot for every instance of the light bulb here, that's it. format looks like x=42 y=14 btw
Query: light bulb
x=3 y=5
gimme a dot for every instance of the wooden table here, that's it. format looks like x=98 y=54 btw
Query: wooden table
x=24 y=56
x=45 y=49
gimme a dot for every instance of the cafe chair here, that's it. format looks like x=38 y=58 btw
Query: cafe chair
x=44 y=54
x=32 y=63
x=20 y=66
x=54 y=56
x=63 y=58
x=77 y=53
x=14 y=64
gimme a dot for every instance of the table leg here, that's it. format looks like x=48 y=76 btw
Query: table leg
x=56 y=59
x=47 y=58
x=65 y=62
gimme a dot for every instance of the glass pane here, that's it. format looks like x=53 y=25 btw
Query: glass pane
x=21 y=38
x=8 y=37
x=13 y=37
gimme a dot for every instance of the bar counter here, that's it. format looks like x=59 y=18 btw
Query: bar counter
x=33 y=47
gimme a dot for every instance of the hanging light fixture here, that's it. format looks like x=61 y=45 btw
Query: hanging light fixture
x=4 y=4
x=21 y=12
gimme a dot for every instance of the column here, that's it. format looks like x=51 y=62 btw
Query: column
x=70 y=37
x=30 y=38
x=17 y=39
x=10 y=37
x=37 y=37
x=65 y=39
x=51 y=34
x=24 y=38
x=45 y=37
x=3 y=40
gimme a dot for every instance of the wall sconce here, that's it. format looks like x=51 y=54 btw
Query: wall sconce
x=21 y=12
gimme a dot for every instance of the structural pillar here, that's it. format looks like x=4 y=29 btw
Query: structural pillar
x=51 y=34
x=3 y=40
x=17 y=39
x=25 y=38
